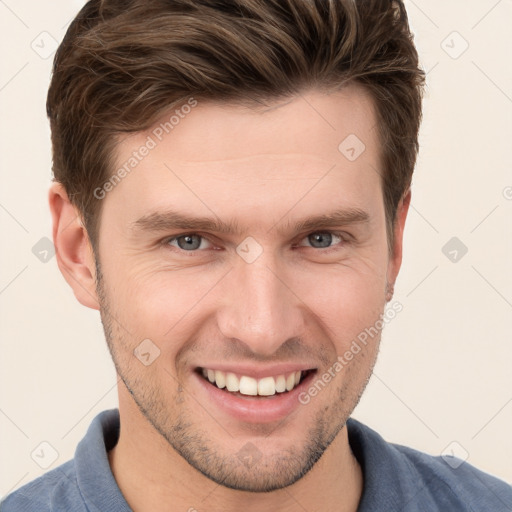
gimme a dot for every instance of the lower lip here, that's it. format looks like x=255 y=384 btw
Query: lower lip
x=255 y=409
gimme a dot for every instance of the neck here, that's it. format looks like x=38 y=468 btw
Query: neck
x=153 y=477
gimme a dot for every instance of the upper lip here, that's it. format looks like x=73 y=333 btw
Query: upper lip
x=258 y=371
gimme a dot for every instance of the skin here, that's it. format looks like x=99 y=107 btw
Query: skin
x=297 y=302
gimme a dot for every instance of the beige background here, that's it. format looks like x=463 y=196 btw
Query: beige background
x=444 y=372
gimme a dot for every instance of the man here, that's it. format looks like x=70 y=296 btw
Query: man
x=232 y=181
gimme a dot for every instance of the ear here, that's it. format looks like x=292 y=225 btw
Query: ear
x=73 y=250
x=395 y=260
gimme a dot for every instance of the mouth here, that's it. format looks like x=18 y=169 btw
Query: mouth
x=244 y=385
x=257 y=395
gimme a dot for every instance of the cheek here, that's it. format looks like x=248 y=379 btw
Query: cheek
x=161 y=304
x=346 y=299
x=164 y=304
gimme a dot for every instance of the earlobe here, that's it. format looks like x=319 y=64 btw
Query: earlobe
x=73 y=250
x=395 y=261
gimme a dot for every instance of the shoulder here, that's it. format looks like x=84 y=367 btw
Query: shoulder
x=415 y=481
x=84 y=483
x=452 y=481
x=55 y=491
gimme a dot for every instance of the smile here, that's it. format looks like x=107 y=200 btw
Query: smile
x=245 y=385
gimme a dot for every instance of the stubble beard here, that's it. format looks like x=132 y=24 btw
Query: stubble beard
x=172 y=421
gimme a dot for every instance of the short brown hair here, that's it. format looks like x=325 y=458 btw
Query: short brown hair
x=122 y=64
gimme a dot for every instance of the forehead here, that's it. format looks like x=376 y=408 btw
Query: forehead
x=313 y=149
x=312 y=123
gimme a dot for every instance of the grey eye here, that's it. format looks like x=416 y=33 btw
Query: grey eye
x=320 y=240
x=189 y=242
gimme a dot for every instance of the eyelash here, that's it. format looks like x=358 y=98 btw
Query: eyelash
x=342 y=235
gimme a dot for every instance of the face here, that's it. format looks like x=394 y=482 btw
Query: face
x=247 y=249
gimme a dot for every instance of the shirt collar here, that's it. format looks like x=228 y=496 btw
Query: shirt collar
x=389 y=481
x=96 y=482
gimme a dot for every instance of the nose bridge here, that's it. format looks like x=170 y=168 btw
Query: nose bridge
x=258 y=308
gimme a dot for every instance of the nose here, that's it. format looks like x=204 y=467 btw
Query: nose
x=259 y=307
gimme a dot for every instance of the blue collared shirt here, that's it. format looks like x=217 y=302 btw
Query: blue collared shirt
x=396 y=478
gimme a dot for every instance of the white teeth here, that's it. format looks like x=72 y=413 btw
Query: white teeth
x=280 y=384
x=266 y=386
x=248 y=386
x=232 y=382
x=290 y=382
x=220 y=379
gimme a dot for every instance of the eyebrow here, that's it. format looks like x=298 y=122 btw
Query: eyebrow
x=169 y=220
